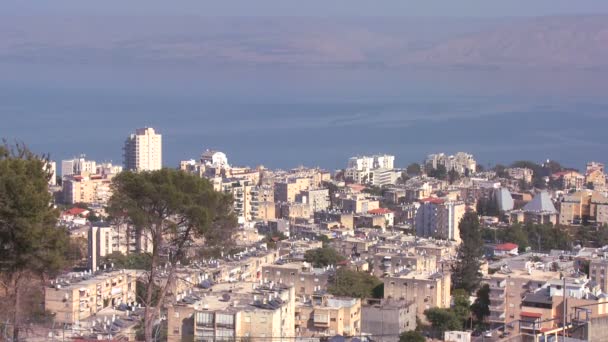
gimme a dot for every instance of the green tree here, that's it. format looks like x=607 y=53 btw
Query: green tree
x=321 y=257
x=173 y=208
x=32 y=246
x=516 y=234
x=453 y=176
x=501 y=171
x=333 y=190
x=133 y=261
x=462 y=306
x=354 y=284
x=442 y=320
x=465 y=272
x=414 y=169
x=481 y=306
x=411 y=336
x=440 y=172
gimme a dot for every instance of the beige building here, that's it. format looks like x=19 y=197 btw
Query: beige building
x=87 y=188
x=143 y=150
x=105 y=239
x=394 y=263
x=234 y=311
x=293 y=211
x=305 y=279
x=318 y=199
x=76 y=297
x=287 y=190
x=359 y=204
x=426 y=289
x=583 y=206
x=241 y=191
x=520 y=173
x=327 y=316
x=598 y=272
x=346 y=220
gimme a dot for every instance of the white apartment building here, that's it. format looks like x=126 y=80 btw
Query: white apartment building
x=143 y=150
x=360 y=169
x=77 y=166
x=215 y=158
x=105 y=239
x=461 y=162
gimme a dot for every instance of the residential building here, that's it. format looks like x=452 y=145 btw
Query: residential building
x=77 y=166
x=359 y=204
x=598 y=272
x=318 y=199
x=105 y=239
x=426 y=289
x=143 y=150
x=461 y=162
x=233 y=311
x=52 y=169
x=87 y=188
x=388 y=318
x=361 y=169
x=594 y=175
x=324 y=315
x=345 y=220
x=582 y=207
x=386 y=264
x=305 y=279
x=241 y=191
x=286 y=191
x=569 y=179
x=439 y=218
x=77 y=296
x=520 y=173
x=215 y=158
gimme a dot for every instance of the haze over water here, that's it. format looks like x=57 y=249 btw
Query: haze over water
x=290 y=99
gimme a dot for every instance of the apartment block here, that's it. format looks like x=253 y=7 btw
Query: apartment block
x=359 y=204
x=75 y=297
x=105 y=239
x=87 y=188
x=234 y=311
x=426 y=289
x=324 y=315
x=388 y=318
x=439 y=218
x=305 y=279
x=143 y=150
x=318 y=199
x=287 y=190
x=586 y=206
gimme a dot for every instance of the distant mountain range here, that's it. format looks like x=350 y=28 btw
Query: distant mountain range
x=545 y=42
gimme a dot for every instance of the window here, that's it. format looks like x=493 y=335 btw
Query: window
x=224 y=319
x=176 y=314
x=204 y=318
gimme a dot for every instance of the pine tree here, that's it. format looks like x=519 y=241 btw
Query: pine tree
x=173 y=208
x=465 y=272
x=31 y=244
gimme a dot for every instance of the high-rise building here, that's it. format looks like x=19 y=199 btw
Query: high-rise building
x=143 y=150
x=77 y=166
x=439 y=218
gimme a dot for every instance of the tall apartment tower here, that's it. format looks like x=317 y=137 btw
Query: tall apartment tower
x=143 y=150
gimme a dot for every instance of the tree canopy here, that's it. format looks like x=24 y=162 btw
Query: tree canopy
x=355 y=284
x=32 y=244
x=465 y=272
x=414 y=169
x=321 y=257
x=481 y=306
x=442 y=320
x=411 y=336
x=173 y=208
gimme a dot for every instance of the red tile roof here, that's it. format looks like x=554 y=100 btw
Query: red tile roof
x=379 y=211
x=433 y=200
x=531 y=314
x=506 y=247
x=75 y=211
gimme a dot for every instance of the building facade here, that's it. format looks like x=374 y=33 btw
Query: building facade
x=143 y=150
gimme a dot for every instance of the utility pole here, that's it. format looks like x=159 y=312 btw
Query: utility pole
x=564 y=308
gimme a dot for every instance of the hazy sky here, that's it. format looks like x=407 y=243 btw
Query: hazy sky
x=459 y=8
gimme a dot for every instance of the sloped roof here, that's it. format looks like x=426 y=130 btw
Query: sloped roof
x=505 y=200
x=541 y=203
x=379 y=211
x=506 y=247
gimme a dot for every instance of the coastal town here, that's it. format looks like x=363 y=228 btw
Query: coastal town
x=442 y=249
